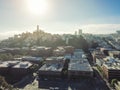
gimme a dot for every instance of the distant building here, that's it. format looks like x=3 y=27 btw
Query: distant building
x=51 y=60
x=78 y=53
x=38 y=51
x=106 y=50
x=75 y=33
x=67 y=41
x=36 y=60
x=59 y=51
x=114 y=53
x=38 y=27
x=69 y=49
x=2 y=51
x=99 y=61
x=13 y=51
x=80 y=31
x=97 y=54
x=118 y=31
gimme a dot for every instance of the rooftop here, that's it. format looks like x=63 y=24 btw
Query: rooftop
x=8 y=63
x=1 y=50
x=112 y=63
x=30 y=58
x=23 y=65
x=52 y=67
x=55 y=58
x=80 y=65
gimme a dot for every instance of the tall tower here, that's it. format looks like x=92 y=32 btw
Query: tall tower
x=75 y=33
x=37 y=27
x=67 y=40
x=80 y=31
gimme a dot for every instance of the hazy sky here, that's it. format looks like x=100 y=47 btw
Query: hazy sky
x=61 y=16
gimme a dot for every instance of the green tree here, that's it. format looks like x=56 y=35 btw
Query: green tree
x=113 y=81
x=4 y=85
x=79 y=42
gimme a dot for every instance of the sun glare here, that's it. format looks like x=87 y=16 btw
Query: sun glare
x=39 y=7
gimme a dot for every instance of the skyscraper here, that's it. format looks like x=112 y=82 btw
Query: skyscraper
x=80 y=31
x=75 y=33
x=37 y=27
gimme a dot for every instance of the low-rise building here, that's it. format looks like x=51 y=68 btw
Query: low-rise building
x=5 y=67
x=2 y=51
x=78 y=68
x=114 y=53
x=97 y=54
x=21 y=69
x=111 y=68
x=52 y=68
x=54 y=60
x=13 y=51
x=69 y=49
x=59 y=51
x=36 y=60
x=78 y=53
x=16 y=69
x=41 y=51
x=99 y=61
x=51 y=71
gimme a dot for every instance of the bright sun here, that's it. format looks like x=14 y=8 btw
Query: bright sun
x=39 y=7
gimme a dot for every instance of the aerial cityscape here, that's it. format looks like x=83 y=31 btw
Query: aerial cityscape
x=59 y=45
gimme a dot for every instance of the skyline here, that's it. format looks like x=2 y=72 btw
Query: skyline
x=61 y=16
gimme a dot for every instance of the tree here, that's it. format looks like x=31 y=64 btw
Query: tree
x=79 y=42
x=59 y=42
x=4 y=85
x=6 y=56
x=94 y=44
x=113 y=82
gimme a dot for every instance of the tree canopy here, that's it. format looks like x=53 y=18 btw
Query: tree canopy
x=41 y=38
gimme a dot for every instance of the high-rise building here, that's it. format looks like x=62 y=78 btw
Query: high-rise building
x=118 y=31
x=67 y=41
x=37 y=27
x=80 y=31
x=75 y=33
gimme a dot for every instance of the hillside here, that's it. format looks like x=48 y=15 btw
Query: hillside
x=41 y=38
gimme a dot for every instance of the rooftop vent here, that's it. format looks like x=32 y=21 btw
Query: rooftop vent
x=23 y=65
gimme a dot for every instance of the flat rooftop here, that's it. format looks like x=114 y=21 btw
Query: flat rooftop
x=112 y=63
x=79 y=65
x=8 y=63
x=23 y=65
x=52 y=67
x=30 y=58
x=55 y=59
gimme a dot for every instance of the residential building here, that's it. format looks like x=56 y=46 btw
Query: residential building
x=5 y=67
x=111 y=68
x=79 y=68
x=16 y=69
x=21 y=69
x=52 y=68
x=35 y=60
